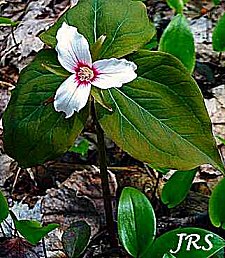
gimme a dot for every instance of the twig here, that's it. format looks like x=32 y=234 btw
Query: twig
x=3 y=232
x=15 y=180
x=13 y=36
x=220 y=57
x=13 y=229
x=149 y=171
x=156 y=186
x=44 y=247
x=7 y=85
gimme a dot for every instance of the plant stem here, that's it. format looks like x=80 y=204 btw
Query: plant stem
x=105 y=180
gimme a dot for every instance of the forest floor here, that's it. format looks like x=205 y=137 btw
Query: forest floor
x=50 y=192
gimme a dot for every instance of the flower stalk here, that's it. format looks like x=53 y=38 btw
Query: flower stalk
x=105 y=180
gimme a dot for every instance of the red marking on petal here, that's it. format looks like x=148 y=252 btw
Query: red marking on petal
x=79 y=68
x=96 y=73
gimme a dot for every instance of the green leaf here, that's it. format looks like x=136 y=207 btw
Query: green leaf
x=34 y=131
x=178 y=40
x=219 y=254
x=177 y=188
x=136 y=221
x=217 y=205
x=164 y=171
x=178 y=5
x=168 y=255
x=76 y=238
x=216 y=2
x=32 y=230
x=81 y=147
x=98 y=95
x=221 y=139
x=4 y=208
x=207 y=244
x=124 y=23
x=160 y=118
x=153 y=44
x=7 y=22
x=218 y=37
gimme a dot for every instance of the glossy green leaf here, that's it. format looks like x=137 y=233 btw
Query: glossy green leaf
x=178 y=40
x=7 y=22
x=4 y=208
x=178 y=5
x=136 y=221
x=219 y=254
x=168 y=255
x=81 y=147
x=32 y=230
x=76 y=238
x=160 y=118
x=216 y=2
x=219 y=35
x=177 y=188
x=124 y=23
x=217 y=205
x=153 y=44
x=34 y=131
x=206 y=244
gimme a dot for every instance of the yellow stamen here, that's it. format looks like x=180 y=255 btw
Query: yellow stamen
x=85 y=74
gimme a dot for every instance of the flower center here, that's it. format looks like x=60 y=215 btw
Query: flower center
x=85 y=74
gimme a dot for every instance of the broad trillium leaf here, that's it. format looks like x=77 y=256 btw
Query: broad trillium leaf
x=160 y=118
x=174 y=193
x=34 y=131
x=124 y=23
x=178 y=40
x=217 y=205
x=136 y=221
x=206 y=244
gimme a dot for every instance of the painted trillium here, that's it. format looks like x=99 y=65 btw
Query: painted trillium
x=74 y=55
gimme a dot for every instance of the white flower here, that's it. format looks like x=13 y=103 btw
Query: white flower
x=73 y=2
x=74 y=55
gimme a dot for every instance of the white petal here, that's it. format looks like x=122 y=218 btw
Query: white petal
x=72 y=48
x=114 y=73
x=71 y=97
x=73 y=2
